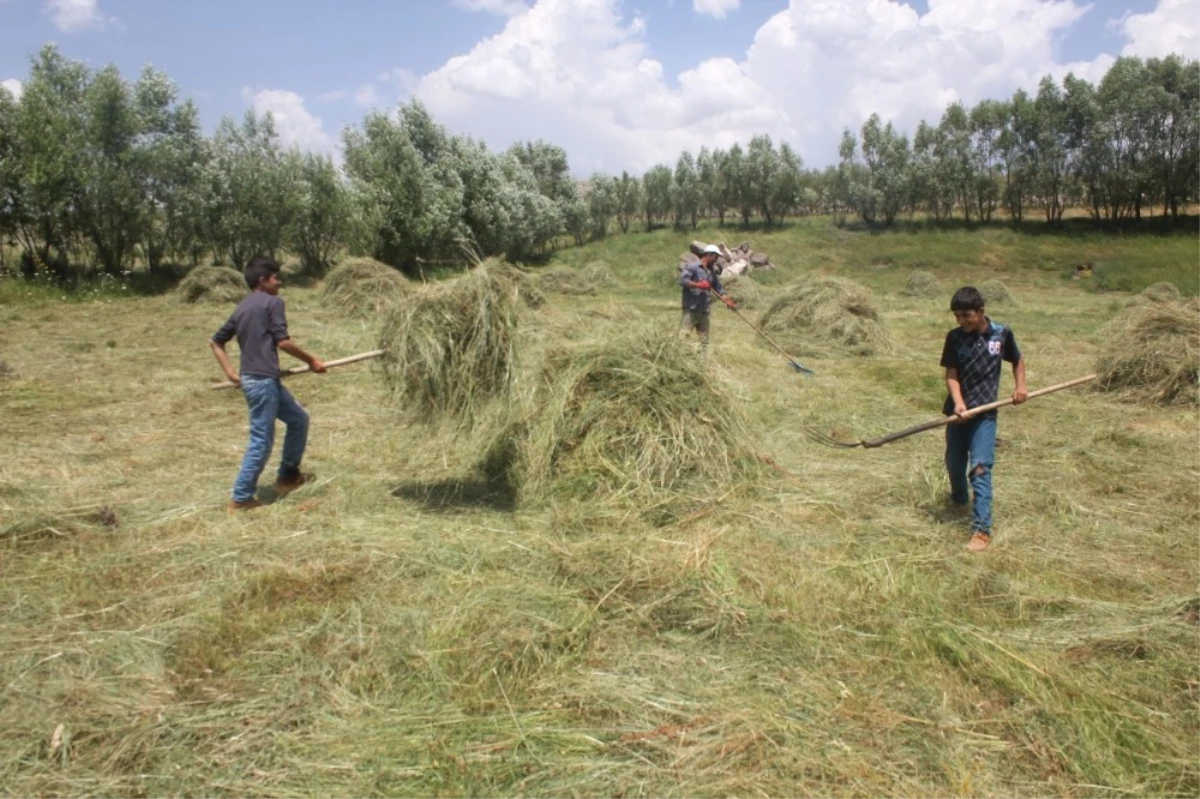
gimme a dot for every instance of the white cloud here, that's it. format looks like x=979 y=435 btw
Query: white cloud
x=74 y=15
x=717 y=9
x=296 y=126
x=502 y=8
x=1172 y=27
x=367 y=96
x=14 y=86
x=580 y=73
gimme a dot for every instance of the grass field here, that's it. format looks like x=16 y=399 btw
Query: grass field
x=400 y=628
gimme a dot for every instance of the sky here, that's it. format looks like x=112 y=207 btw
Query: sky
x=618 y=84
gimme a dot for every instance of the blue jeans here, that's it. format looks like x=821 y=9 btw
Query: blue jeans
x=268 y=400
x=970 y=455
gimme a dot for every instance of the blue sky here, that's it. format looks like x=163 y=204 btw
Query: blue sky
x=620 y=84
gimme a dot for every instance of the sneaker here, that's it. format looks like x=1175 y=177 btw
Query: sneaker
x=979 y=542
x=286 y=485
x=249 y=504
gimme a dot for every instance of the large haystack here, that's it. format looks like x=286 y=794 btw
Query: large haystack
x=1152 y=353
x=996 y=293
x=922 y=284
x=364 y=286
x=564 y=280
x=631 y=415
x=826 y=316
x=450 y=346
x=213 y=284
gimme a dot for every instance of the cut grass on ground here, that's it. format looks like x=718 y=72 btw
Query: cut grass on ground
x=399 y=628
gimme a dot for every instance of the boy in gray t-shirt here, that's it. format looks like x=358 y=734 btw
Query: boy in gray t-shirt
x=260 y=325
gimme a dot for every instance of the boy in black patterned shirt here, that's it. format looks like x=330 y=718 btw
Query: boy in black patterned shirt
x=973 y=355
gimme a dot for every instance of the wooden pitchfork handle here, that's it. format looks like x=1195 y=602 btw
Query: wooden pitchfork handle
x=299 y=370
x=942 y=421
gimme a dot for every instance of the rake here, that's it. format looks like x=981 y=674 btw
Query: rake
x=941 y=421
x=298 y=370
x=799 y=367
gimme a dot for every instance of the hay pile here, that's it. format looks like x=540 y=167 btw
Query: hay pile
x=634 y=415
x=996 y=293
x=364 y=286
x=214 y=284
x=922 y=284
x=1161 y=292
x=826 y=315
x=746 y=293
x=450 y=347
x=598 y=274
x=1152 y=353
x=564 y=280
x=521 y=282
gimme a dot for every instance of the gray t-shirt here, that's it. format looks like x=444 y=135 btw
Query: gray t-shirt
x=260 y=323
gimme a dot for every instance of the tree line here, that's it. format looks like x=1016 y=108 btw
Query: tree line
x=97 y=170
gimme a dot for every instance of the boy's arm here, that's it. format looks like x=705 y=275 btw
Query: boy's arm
x=223 y=359
x=955 y=388
x=1020 y=393
x=296 y=351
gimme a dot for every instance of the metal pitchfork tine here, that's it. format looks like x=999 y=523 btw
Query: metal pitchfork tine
x=942 y=421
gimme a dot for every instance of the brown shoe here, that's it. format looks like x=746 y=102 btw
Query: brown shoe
x=249 y=504
x=979 y=542
x=286 y=485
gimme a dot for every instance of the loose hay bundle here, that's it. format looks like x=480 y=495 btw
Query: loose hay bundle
x=564 y=280
x=996 y=293
x=364 y=286
x=922 y=284
x=824 y=315
x=521 y=281
x=746 y=293
x=1161 y=292
x=450 y=347
x=597 y=273
x=215 y=284
x=633 y=415
x=1153 y=353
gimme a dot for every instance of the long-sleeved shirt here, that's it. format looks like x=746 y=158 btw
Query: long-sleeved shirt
x=697 y=299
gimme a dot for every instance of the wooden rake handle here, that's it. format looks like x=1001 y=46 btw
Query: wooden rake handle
x=299 y=370
x=991 y=406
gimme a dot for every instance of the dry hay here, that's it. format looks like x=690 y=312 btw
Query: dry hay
x=1152 y=353
x=996 y=293
x=598 y=273
x=564 y=280
x=1161 y=292
x=826 y=315
x=450 y=348
x=745 y=292
x=214 y=284
x=633 y=415
x=521 y=282
x=364 y=286
x=922 y=284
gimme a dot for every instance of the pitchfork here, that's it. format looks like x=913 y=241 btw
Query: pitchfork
x=941 y=421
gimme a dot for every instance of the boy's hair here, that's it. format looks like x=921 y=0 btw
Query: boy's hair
x=259 y=267
x=967 y=298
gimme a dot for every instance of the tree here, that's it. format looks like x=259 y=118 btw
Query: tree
x=250 y=193
x=323 y=212
x=886 y=157
x=410 y=199
x=629 y=200
x=656 y=194
x=988 y=121
x=602 y=203
x=687 y=191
